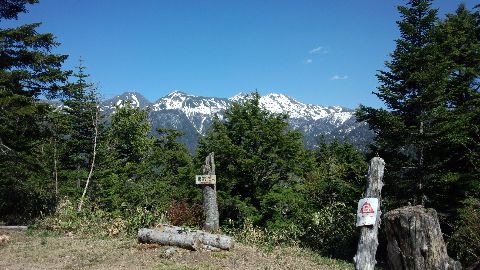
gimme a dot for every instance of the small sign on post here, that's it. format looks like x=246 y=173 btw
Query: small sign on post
x=367 y=211
x=208 y=182
x=208 y=179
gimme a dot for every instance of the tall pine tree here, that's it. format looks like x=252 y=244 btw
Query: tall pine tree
x=429 y=133
x=28 y=69
x=123 y=158
x=411 y=88
x=458 y=139
x=81 y=106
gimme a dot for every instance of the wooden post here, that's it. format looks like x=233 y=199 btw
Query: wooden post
x=210 y=207
x=368 y=242
x=415 y=240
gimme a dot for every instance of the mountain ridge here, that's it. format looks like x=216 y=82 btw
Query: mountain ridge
x=194 y=114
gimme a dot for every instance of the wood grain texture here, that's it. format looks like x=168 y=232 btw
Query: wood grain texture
x=415 y=240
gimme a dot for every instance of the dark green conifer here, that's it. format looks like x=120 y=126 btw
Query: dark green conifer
x=80 y=107
x=28 y=69
x=411 y=88
x=255 y=152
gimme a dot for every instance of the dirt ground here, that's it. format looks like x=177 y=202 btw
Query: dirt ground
x=46 y=251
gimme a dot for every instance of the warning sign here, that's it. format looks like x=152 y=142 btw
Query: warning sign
x=367 y=211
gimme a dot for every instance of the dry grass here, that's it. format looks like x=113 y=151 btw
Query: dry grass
x=46 y=251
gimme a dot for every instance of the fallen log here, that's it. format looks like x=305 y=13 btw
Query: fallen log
x=172 y=229
x=14 y=228
x=193 y=240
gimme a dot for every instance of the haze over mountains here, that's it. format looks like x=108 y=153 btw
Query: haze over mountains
x=194 y=114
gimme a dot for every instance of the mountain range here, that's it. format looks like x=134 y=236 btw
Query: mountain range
x=194 y=114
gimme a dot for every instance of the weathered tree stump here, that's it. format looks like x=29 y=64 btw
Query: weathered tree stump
x=210 y=207
x=193 y=240
x=368 y=242
x=415 y=240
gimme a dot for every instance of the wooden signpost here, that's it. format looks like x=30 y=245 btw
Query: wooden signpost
x=368 y=217
x=208 y=182
x=195 y=240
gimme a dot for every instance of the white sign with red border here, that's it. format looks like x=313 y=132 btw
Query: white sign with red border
x=367 y=211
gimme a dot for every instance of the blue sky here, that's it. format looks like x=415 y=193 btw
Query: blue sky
x=319 y=52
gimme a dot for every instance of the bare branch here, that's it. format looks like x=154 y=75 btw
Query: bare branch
x=5 y=149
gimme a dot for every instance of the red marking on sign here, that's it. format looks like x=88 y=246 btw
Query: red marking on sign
x=367 y=209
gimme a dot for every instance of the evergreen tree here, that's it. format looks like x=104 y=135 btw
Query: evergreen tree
x=129 y=133
x=411 y=89
x=332 y=190
x=429 y=133
x=25 y=176
x=9 y=9
x=458 y=136
x=171 y=163
x=170 y=173
x=81 y=106
x=27 y=66
x=27 y=70
x=255 y=152
x=123 y=158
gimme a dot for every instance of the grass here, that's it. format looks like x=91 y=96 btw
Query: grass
x=47 y=250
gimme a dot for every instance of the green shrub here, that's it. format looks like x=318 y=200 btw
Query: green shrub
x=250 y=234
x=332 y=232
x=464 y=244
x=95 y=221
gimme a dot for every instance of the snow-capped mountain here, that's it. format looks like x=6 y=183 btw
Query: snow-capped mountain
x=194 y=114
x=199 y=110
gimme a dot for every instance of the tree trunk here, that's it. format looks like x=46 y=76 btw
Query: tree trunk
x=195 y=240
x=368 y=242
x=55 y=171
x=94 y=153
x=415 y=240
x=210 y=207
x=420 y=167
x=79 y=184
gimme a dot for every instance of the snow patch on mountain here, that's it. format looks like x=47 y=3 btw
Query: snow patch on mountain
x=280 y=103
x=184 y=111
x=136 y=101
x=197 y=109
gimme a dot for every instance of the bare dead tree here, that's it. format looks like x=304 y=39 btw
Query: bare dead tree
x=210 y=206
x=94 y=153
